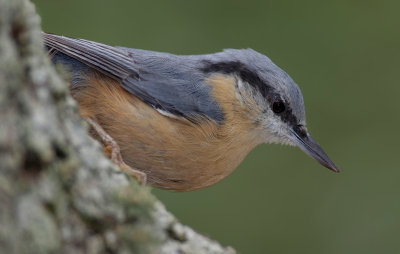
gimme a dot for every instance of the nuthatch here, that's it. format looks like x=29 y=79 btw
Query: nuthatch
x=185 y=122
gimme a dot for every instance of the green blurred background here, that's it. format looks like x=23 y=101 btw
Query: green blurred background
x=345 y=57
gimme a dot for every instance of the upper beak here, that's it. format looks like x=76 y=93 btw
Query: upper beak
x=304 y=141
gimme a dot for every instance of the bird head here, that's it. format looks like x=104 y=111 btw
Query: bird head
x=273 y=94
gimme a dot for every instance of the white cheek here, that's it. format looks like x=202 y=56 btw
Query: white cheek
x=276 y=132
x=239 y=83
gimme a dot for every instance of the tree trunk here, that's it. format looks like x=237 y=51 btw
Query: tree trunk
x=58 y=193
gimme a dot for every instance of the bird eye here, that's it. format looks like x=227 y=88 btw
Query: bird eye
x=278 y=107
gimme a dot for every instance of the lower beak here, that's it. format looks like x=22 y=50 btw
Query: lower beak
x=304 y=141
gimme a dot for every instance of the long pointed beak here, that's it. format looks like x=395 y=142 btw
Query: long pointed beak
x=304 y=141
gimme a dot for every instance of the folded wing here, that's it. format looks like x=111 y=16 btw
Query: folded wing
x=161 y=82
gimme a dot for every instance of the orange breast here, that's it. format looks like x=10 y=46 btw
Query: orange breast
x=175 y=154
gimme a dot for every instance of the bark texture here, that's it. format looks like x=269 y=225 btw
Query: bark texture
x=58 y=193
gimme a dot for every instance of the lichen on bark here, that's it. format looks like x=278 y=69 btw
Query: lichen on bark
x=58 y=193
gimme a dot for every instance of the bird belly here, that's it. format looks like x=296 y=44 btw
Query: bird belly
x=175 y=154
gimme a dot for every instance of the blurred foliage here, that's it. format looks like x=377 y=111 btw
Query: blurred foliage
x=344 y=55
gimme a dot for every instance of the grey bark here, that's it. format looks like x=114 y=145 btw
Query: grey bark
x=58 y=193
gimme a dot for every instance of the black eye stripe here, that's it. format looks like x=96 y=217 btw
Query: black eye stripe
x=238 y=68
x=282 y=109
x=289 y=118
x=266 y=90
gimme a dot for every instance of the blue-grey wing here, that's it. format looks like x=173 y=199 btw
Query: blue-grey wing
x=163 y=81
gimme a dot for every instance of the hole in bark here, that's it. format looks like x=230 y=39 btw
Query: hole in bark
x=16 y=31
x=32 y=163
x=180 y=237
x=60 y=151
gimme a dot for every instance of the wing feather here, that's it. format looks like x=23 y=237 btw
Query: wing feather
x=109 y=60
x=161 y=80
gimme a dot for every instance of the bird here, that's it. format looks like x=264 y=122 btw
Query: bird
x=182 y=122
